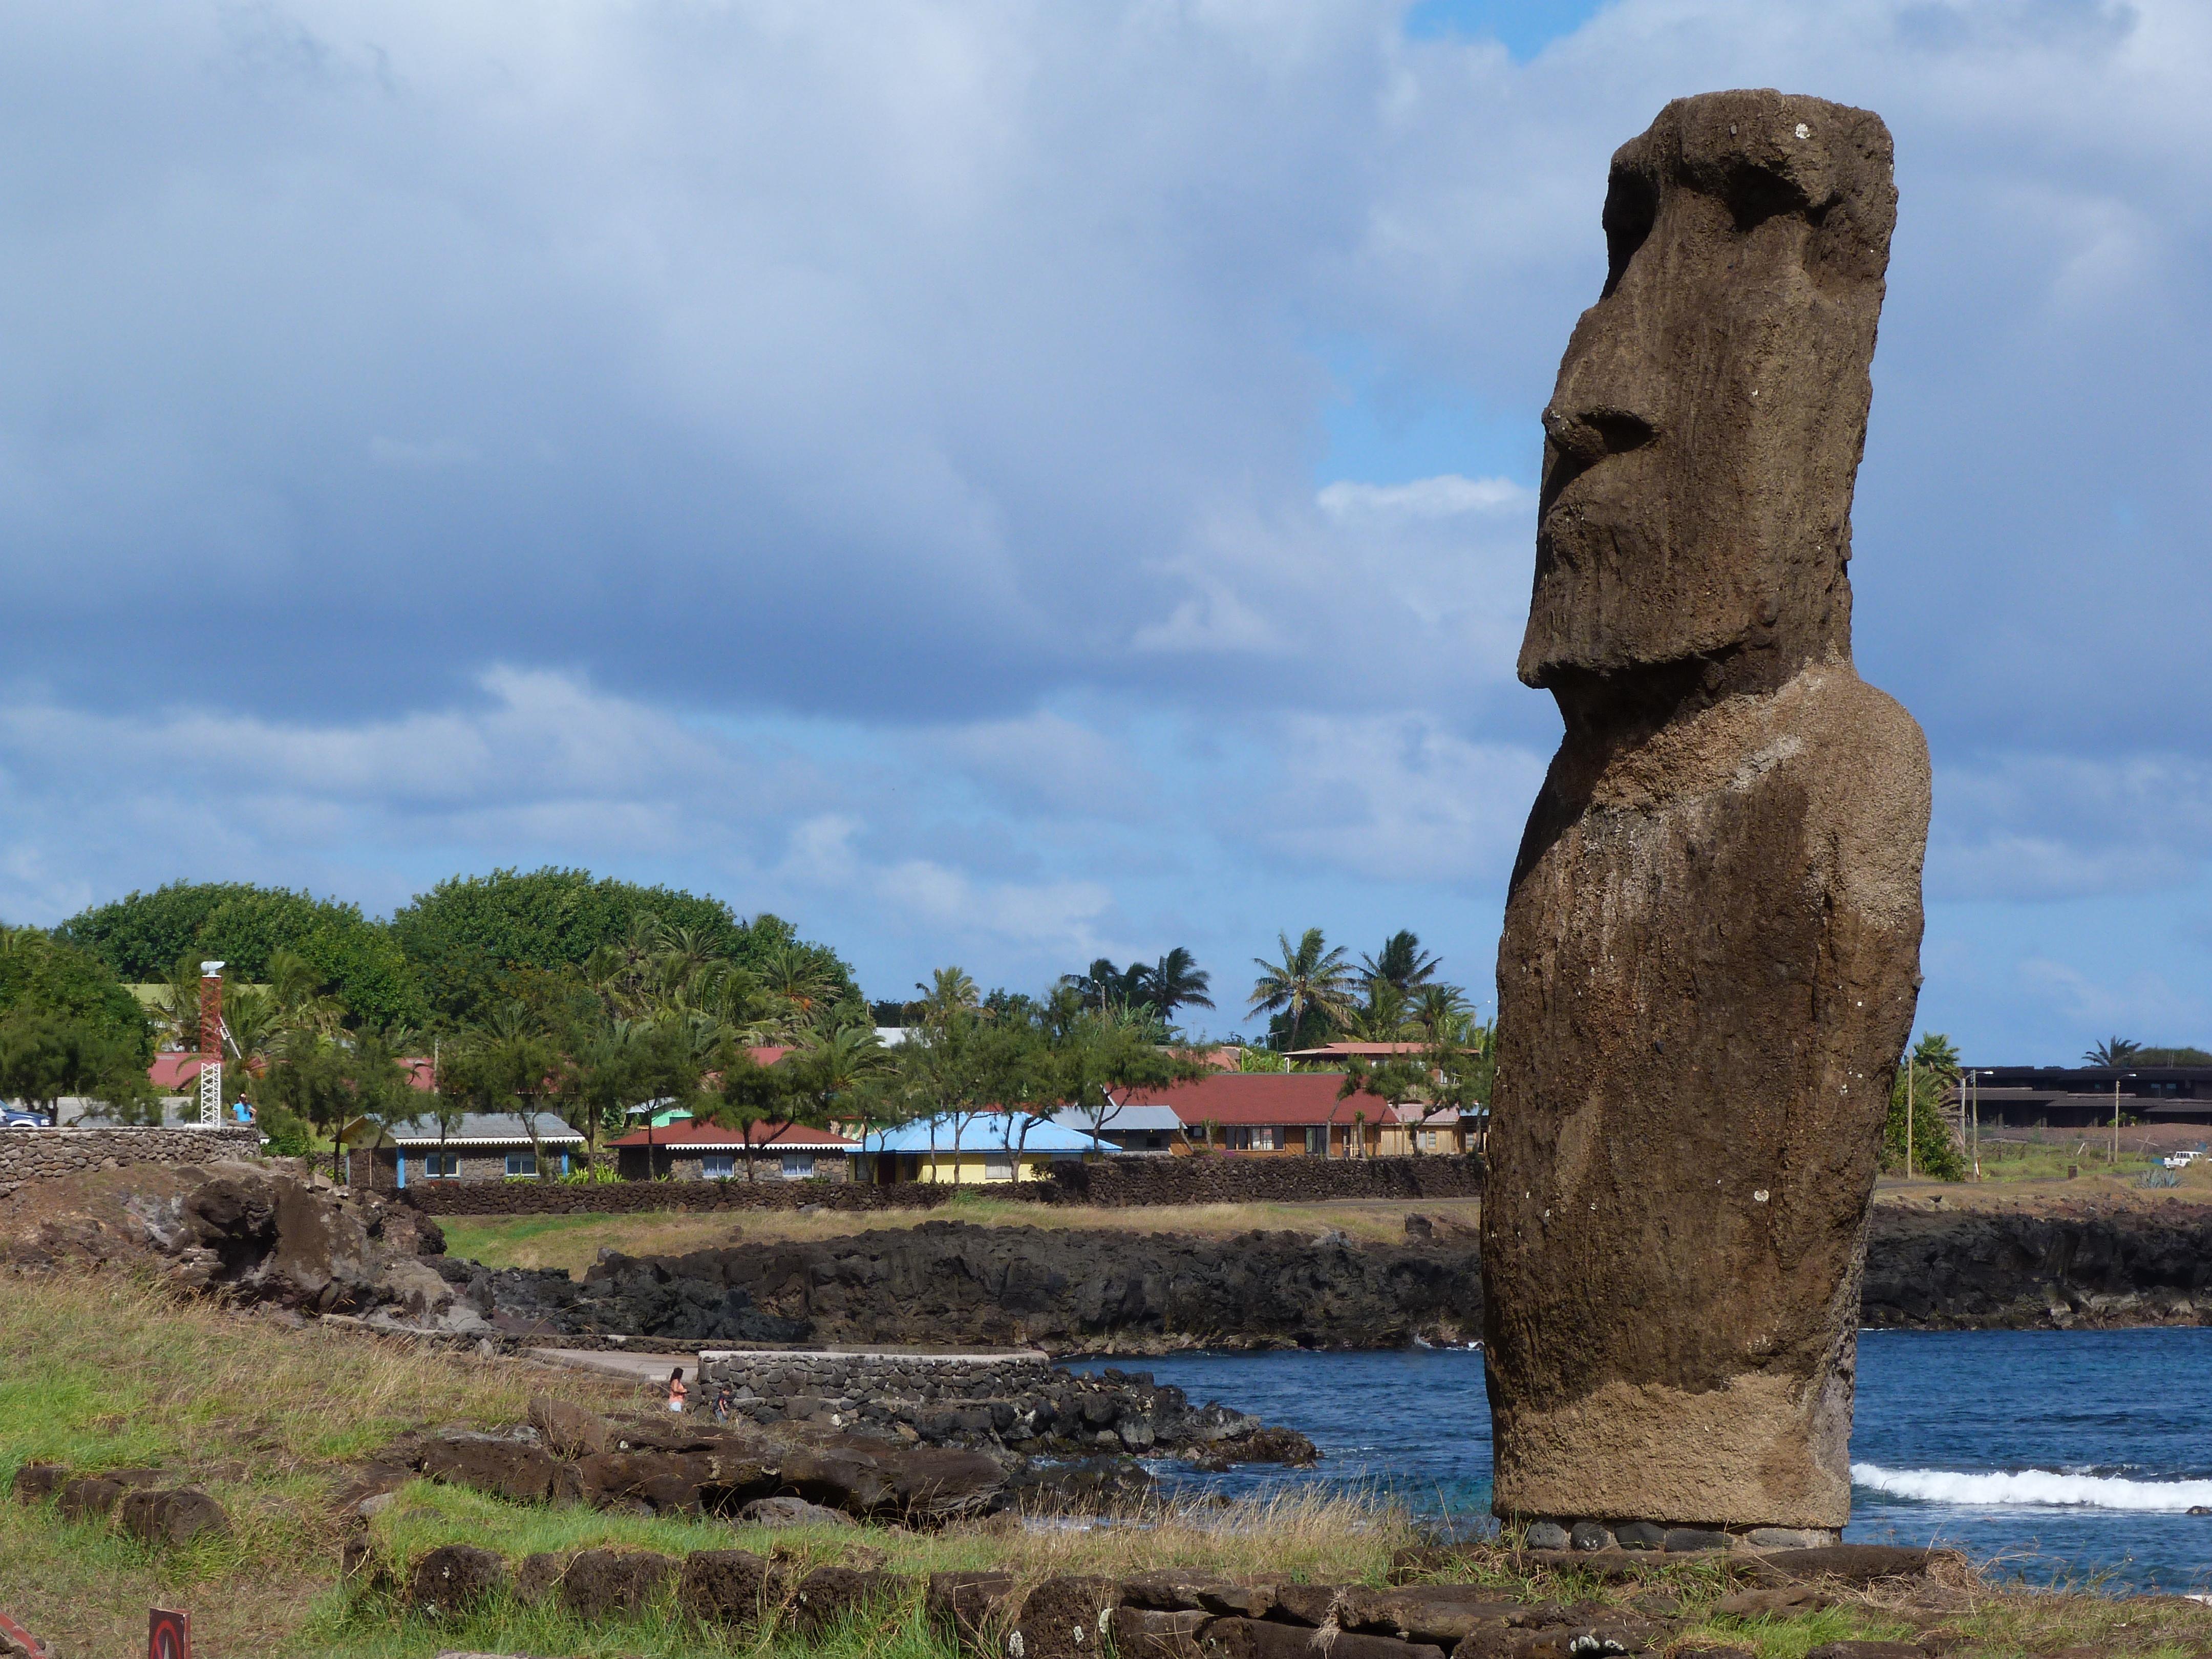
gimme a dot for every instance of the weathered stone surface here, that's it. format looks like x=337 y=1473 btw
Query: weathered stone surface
x=1442 y=1615
x=726 y=1587
x=454 y=1578
x=34 y=1483
x=1264 y=1638
x=1711 y=952
x=1156 y=1632
x=1855 y=1564
x=830 y=1593
x=174 y=1516
x=1064 y=1618
x=599 y=1582
x=968 y=1604
x=791 y=1512
x=1545 y=1536
x=537 y=1578
x=1639 y=1536
x=504 y=1467
x=87 y=1497
x=568 y=1431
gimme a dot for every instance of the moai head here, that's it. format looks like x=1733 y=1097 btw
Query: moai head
x=1700 y=447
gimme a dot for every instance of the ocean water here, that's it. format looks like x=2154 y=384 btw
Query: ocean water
x=2055 y=1454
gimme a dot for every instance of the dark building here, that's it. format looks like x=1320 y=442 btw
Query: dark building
x=2081 y=1097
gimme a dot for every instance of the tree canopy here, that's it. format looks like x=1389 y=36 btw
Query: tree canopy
x=143 y=936
x=468 y=933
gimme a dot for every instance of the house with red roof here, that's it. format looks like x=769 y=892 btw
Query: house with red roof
x=1299 y=1112
x=686 y=1150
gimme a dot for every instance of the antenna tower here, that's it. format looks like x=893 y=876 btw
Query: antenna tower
x=210 y=1045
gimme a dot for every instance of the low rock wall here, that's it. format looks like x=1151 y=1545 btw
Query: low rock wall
x=44 y=1154
x=628 y=1197
x=1214 y=1178
x=777 y=1376
x=1115 y=1181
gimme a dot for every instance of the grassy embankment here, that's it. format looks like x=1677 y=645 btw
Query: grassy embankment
x=573 y=1242
x=103 y=1373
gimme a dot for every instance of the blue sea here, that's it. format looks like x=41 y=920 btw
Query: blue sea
x=2058 y=1454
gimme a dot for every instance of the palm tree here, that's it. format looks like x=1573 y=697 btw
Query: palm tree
x=1440 y=1010
x=1310 y=982
x=799 y=976
x=1176 y=981
x=1103 y=986
x=1402 y=962
x=1387 y=1015
x=2112 y=1051
x=949 y=991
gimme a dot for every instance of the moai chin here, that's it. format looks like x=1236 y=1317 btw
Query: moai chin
x=1713 y=939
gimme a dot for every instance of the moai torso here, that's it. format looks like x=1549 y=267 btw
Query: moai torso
x=1710 y=954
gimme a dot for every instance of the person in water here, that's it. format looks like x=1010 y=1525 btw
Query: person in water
x=676 y=1389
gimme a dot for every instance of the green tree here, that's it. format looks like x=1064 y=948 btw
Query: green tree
x=2113 y=1051
x=510 y=1064
x=467 y=934
x=1176 y=981
x=1401 y=963
x=1308 y=984
x=46 y=1057
x=142 y=937
x=1095 y=1065
x=41 y=974
x=1453 y=1071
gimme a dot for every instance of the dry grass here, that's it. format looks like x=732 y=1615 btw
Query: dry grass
x=572 y=1242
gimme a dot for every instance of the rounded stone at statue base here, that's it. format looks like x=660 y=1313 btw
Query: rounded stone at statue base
x=1588 y=1535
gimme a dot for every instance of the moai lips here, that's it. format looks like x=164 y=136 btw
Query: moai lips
x=1711 y=944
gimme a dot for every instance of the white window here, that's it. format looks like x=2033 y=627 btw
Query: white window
x=998 y=1166
x=522 y=1164
x=717 y=1166
x=798 y=1166
x=442 y=1166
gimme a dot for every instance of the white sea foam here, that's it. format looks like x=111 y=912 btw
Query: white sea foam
x=2040 y=1486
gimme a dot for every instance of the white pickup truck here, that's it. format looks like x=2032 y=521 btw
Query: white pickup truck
x=2180 y=1160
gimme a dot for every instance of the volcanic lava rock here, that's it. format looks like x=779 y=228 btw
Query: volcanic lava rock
x=600 y=1582
x=956 y=1284
x=175 y=1516
x=1712 y=943
x=454 y=1578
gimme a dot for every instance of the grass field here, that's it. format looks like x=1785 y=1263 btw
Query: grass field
x=572 y=1242
x=101 y=1372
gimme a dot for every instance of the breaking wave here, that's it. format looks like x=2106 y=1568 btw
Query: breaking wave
x=2047 y=1488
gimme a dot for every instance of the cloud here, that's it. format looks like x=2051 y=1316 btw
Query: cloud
x=2044 y=826
x=1398 y=799
x=733 y=439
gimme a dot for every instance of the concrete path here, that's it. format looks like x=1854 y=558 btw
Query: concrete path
x=644 y=1367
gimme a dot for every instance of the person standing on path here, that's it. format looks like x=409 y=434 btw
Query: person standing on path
x=676 y=1389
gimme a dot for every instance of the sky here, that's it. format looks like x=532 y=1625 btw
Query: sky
x=1002 y=485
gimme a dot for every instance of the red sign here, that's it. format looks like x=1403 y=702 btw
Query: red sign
x=168 y=1635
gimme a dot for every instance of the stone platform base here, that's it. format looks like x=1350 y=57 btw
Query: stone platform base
x=1592 y=1535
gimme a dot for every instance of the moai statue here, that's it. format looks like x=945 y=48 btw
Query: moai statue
x=1712 y=940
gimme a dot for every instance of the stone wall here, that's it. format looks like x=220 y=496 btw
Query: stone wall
x=1213 y=1179
x=771 y=1192
x=37 y=1154
x=1115 y=1182
x=766 y=1382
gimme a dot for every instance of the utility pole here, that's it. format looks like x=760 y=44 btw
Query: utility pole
x=1974 y=1086
x=2116 y=1118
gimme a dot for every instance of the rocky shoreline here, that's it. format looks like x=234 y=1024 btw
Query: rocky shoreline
x=263 y=1237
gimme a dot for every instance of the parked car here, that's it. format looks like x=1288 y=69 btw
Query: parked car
x=2180 y=1160
x=14 y=1117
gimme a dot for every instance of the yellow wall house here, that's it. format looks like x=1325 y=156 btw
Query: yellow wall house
x=993 y=1148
